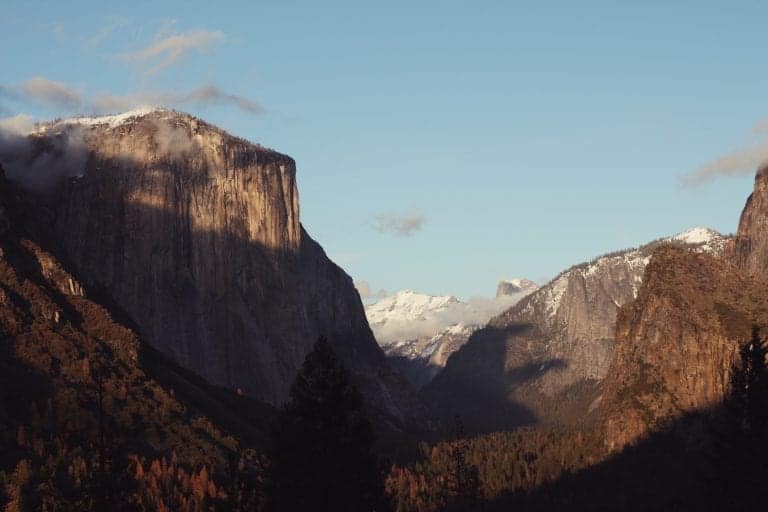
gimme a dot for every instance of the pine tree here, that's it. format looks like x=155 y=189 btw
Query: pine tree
x=321 y=456
x=749 y=387
x=740 y=451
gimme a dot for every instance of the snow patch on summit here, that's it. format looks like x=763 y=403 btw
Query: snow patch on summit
x=112 y=121
x=633 y=260
x=697 y=235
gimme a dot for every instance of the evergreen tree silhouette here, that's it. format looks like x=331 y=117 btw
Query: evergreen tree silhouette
x=740 y=451
x=749 y=387
x=322 y=446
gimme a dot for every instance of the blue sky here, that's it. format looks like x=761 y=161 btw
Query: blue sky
x=505 y=138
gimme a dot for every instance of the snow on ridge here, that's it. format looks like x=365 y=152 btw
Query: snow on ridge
x=408 y=316
x=706 y=240
x=696 y=235
x=111 y=120
x=554 y=293
x=407 y=305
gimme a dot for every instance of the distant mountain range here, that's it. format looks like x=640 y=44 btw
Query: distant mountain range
x=418 y=332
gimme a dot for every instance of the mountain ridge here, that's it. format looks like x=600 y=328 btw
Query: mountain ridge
x=543 y=360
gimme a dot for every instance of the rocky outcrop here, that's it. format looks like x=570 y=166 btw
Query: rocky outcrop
x=195 y=235
x=678 y=341
x=544 y=359
x=750 y=245
x=676 y=344
x=515 y=286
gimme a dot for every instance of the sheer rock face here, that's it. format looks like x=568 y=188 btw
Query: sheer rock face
x=677 y=343
x=544 y=359
x=750 y=246
x=195 y=234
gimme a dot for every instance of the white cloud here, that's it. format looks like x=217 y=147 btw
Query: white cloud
x=168 y=50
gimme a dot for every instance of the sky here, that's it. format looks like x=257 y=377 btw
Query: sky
x=440 y=146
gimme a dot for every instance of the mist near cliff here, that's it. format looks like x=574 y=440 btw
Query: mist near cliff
x=40 y=164
x=41 y=161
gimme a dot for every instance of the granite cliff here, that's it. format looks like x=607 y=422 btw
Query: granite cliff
x=749 y=251
x=195 y=235
x=70 y=372
x=678 y=342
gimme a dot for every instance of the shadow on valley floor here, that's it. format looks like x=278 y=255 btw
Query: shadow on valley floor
x=700 y=461
x=480 y=382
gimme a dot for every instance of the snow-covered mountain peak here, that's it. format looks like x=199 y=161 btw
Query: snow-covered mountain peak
x=407 y=305
x=696 y=235
x=419 y=331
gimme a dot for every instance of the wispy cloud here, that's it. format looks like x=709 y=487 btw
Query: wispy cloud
x=107 y=31
x=207 y=95
x=42 y=91
x=399 y=225
x=49 y=93
x=740 y=162
x=210 y=94
x=166 y=51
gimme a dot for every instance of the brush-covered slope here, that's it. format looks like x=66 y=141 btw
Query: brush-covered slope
x=81 y=399
x=678 y=341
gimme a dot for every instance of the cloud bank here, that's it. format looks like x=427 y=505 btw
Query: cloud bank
x=399 y=225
